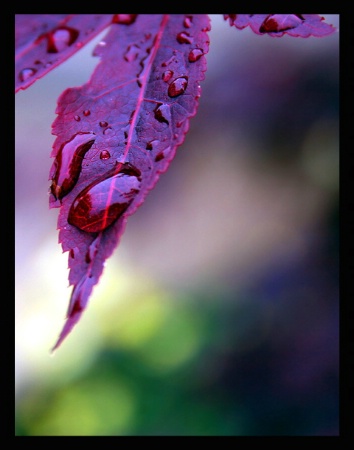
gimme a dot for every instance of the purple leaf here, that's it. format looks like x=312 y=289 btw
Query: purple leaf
x=117 y=133
x=276 y=25
x=43 y=41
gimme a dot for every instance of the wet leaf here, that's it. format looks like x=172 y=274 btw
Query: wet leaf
x=119 y=132
x=276 y=25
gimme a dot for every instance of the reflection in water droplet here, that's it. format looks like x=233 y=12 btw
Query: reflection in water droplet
x=184 y=38
x=87 y=112
x=105 y=154
x=77 y=118
x=27 y=73
x=124 y=19
x=195 y=54
x=101 y=203
x=61 y=38
x=162 y=113
x=178 y=86
x=67 y=164
x=132 y=53
x=187 y=21
x=103 y=124
x=166 y=76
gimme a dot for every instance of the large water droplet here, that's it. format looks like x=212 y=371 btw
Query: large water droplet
x=132 y=53
x=178 y=86
x=124 y=19
x=195 y=54
x=166 y=76
x=67 y=164
x=27 y=73
x=61 y=38
x=280 y=22
x=162 y=113
x=184 y=38
x=105 y=154
x=101 y=203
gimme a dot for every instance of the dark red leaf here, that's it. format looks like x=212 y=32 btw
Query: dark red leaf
x=118 y=133
x=43 y=41
x=276 y=25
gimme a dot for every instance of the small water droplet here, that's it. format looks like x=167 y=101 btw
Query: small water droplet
x=124 y=19
x=87 y=112
x=149 y=145
x=101 y=203
x=61 y=38
x=184 y=38
x=107 y=131
x=103 y=124
x=166 y=76
x=162 y=113
x=72 y=253
x=77 y=118
x=132 y=53
x=280 y=22
x=48 y=64
x=195 y=54
x=187 y=21
x=147 y=36
x=27 y=73
x=159 y=156
x=178 y=86
x=66 y=167
x=105 y=154
x=37 y=61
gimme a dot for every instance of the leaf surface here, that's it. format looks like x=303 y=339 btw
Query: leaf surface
x=43 y=41
x=276 y=25
x=117 y=133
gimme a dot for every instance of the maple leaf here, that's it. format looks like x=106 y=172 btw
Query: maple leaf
x=44 y=41
x=276 y=25
x=118 y=133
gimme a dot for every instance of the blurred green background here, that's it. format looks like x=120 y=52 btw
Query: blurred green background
x=218 y=314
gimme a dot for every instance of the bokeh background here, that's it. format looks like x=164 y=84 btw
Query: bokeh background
x=218 y=314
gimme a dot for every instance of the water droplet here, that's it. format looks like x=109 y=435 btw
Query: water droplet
x=184 y=38
x=149 y=145
x=77 y=118
x=178 y=86
x=280 y=22
x=103 y=124
x=67 y=164
x=61 y=38
x=37 y=61
x=48 y=64
x=72 y=253
x=124 y=19
x=147 y=36
x=195 y=54
x=187 y=21
x=105 y=154
x=132 y=53
x=87 y=112
x=166 y=76
x=107 y=131
x=159 y=156
x=162 y=113
x=27 y=73
x=101 y=203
